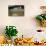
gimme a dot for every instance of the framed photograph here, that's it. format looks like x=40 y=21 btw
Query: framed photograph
x=16 y=10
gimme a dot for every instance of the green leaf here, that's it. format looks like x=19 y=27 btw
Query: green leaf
x=40 y=18
x=10 y=31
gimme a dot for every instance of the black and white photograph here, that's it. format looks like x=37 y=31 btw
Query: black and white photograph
x=16 y=10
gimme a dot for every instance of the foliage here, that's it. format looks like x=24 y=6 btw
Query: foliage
x=41 y=17
x=11 y=31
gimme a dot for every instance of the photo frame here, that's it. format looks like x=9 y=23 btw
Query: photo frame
x=16 y=10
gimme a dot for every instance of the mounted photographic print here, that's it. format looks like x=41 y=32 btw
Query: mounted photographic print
x=16 y=10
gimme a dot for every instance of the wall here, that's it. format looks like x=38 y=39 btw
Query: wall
x=27 y=24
